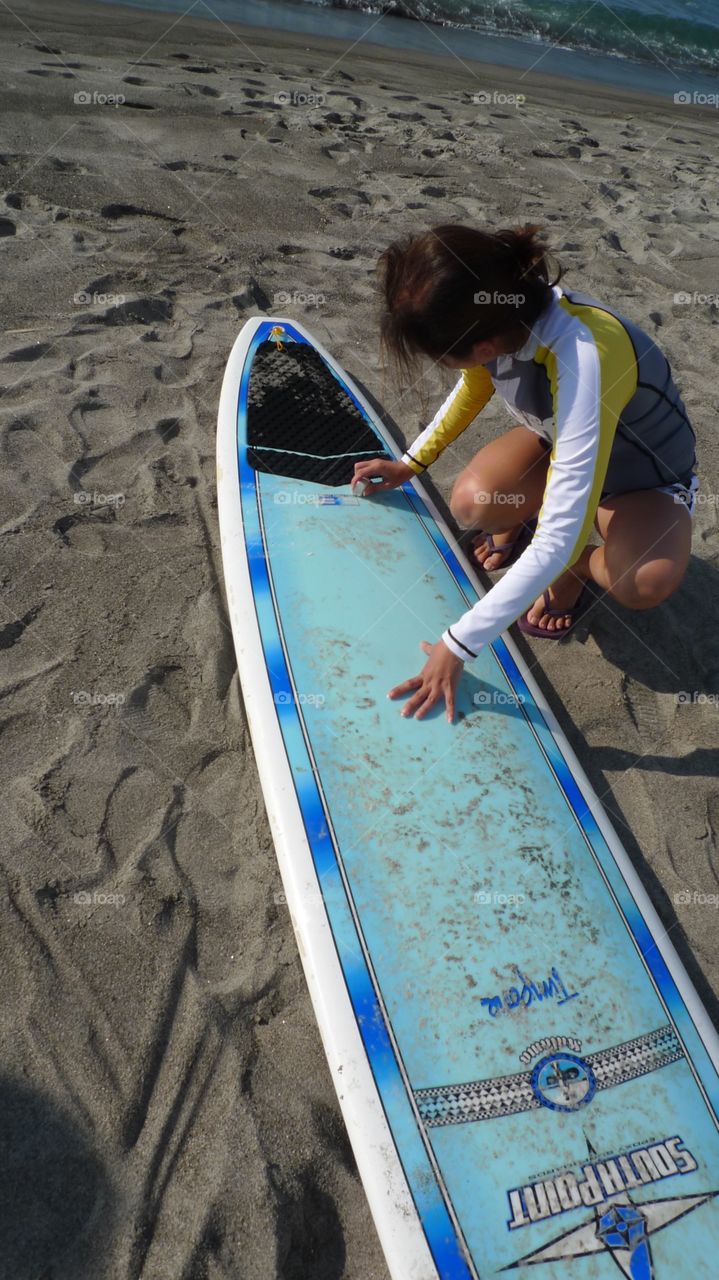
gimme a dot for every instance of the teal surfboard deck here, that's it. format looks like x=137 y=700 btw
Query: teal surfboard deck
x=528 y=1077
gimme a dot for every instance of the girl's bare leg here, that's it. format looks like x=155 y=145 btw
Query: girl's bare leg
x=501 y=488
x=647 y=544
x=647 y=536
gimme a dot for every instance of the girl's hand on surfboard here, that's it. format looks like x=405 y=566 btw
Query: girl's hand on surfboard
x=380 y=473
x=438 y=679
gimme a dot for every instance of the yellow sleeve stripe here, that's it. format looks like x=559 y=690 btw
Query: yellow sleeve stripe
x=471 y=394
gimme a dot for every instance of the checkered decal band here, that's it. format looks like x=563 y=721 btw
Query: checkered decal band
x=507 y=1095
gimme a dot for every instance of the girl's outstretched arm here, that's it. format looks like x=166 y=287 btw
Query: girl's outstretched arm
x=474 y=389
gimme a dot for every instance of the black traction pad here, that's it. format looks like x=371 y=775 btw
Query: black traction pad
x=296 y=407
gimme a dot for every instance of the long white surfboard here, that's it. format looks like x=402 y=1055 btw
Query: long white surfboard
x=527 y=1076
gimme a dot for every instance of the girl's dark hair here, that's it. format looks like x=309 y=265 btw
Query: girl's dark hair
x=453 y=286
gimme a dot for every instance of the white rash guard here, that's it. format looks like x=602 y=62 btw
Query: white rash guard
x=589 y=360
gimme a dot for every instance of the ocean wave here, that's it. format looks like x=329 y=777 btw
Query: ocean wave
x=623 y=32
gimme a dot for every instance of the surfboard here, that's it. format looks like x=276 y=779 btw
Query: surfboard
x=527 y=1076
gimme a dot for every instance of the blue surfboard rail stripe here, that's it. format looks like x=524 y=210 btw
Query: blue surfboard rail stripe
x=433 y=1206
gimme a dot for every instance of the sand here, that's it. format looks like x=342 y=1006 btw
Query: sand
x=168 y=1110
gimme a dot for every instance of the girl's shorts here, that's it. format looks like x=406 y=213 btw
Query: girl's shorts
x=685 y=495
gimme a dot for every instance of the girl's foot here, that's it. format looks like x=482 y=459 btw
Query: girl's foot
x=492 y=551
x=563 y=594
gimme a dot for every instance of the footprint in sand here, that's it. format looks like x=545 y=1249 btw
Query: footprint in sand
x=253 y=295
x=334 y=193
x=59 y=165
x=25 y=355
x=168 y=429
x=89 y=533
x=41 y=71
x=172 y=371
x=356 y=102
x=13 y=631
x=115 y=211
x=41 y=48
x=205 y=90
x=138 y=311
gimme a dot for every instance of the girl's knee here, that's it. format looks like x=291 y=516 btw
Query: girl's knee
x=649 y=585
x=469 y=497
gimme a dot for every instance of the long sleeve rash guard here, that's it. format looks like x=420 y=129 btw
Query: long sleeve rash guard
x=588 y=359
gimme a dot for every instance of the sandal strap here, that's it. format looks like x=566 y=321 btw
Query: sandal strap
x=560 y=613
x=493 y=548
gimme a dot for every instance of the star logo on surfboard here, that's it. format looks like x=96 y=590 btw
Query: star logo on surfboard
x=620 y=1228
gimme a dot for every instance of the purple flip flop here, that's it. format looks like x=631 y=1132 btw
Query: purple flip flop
x=529 y=527
x=530 y=628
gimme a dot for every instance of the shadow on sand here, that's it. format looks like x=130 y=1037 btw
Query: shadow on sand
x=55 y=1206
